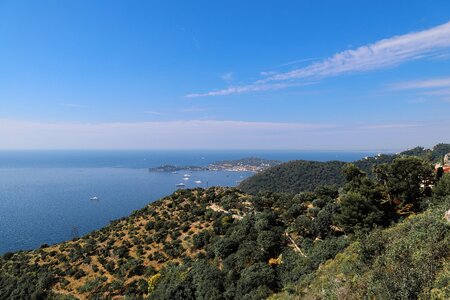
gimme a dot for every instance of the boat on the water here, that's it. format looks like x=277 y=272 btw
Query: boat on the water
x=95 y=198
x=187 y=175
x=180 y=184
x=198 y=181
x=186 y=178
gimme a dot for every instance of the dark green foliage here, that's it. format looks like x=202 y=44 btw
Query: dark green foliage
x=257 y=277
x=255 y=246
x=150 y=225
x=121 y=251
x=406 y=261
x=320 y=226
x=443 y=186
x=352 y=173
x=403 y=178
x=298 y=176
x=358 y=212
x=175 y=284
x=201 y=239
x=224 y=247
x=18 y=280
x=222 y=224
x=295 y=177
x=7 y=255
x=439 y=151
x=92 y=285
x=417 y=151
x=269 y=242
x=207 y=280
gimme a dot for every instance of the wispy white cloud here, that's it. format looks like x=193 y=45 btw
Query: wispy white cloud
x=431 y=89
x=423 y=84
x=249 y=88
x=73 y=105
x=381 y=54
x=291 y=63
x=442 y=56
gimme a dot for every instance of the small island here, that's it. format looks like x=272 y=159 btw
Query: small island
x=248 y=164
x=173 y=168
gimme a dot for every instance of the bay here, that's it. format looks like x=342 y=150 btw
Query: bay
x=45 y=196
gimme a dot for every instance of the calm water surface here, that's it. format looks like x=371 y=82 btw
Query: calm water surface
x=45 y=195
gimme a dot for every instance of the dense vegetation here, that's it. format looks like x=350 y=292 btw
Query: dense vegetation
x=118 y=259
x=294 y=177
x=374 y=237
x=407 y=261
x=300 y=176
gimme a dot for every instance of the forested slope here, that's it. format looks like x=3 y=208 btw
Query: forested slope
x=294 y=177
x=383 y=236
x=299 y=176
x=410 y=260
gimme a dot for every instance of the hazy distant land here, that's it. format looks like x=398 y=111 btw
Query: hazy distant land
x=248 y=164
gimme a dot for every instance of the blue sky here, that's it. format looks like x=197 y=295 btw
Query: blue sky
x=332 y=75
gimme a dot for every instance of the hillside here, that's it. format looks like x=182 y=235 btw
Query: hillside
x=114 y=260
x=407 y=261
x=299 y=176
x=221 y=243
x=294 y=177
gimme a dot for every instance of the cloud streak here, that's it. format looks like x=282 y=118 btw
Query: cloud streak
x=436 y=88
x=423 y=84
x=249 y=88
x=381 y=54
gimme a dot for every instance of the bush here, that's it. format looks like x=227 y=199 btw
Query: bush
x=442 y=188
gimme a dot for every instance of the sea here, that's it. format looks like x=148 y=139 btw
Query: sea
x=46 y=196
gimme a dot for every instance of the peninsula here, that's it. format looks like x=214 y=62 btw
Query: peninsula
x=248 y=164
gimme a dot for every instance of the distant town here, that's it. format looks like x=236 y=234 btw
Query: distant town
x=249 y=164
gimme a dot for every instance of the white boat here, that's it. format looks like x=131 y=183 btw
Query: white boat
x=187 y=175
x=198 y=181
x=186 y=178
x=95 y=198
x=180 y=184
x=174 y=172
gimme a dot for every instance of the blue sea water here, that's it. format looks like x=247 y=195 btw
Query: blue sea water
x=45 y=195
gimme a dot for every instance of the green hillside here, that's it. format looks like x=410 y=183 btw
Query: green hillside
x=376 y=237
x=295 y=176
x=299 y=176
x=409 y=260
